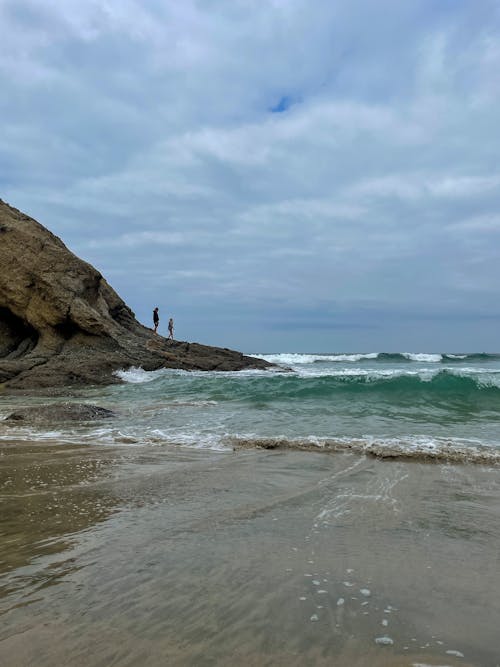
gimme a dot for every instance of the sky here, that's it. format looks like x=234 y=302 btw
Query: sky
x=277 y=175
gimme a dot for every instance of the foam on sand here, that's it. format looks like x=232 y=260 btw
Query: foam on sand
x=416 y=448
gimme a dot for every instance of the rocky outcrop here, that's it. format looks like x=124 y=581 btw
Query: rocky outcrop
x=58 y=412
x=62 y=324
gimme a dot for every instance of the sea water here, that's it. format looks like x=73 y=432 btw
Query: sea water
x=419 y=403
x=337 y=509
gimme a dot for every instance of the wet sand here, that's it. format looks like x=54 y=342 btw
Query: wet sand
x=153 y=555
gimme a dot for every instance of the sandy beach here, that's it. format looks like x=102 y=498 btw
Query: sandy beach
x=133 y=556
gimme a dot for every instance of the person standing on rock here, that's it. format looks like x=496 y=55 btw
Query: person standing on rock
x=171 y=328
x=156 y=320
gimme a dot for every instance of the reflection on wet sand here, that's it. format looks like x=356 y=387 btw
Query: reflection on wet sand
x=49 y=493
x=250 y=558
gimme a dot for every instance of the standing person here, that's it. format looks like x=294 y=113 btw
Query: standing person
x=171 y=328
x=156 y=320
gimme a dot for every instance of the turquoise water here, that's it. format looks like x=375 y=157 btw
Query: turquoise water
x=415 y=401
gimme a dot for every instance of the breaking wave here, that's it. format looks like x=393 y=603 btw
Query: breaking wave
x=457 y=388
x=292 y=359
x=416 y=449
x=427 y=407
x=391 y=384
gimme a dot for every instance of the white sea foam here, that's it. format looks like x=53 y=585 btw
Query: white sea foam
x=191 y=439
x=292 y=358
x=126 y=436
x=133 y=435
x=374 y=374
x=139 y=375
x=30 y=434
x=416 y=447
x=384 y=641
x=297 y=358
x=419 y=356
x=483 y=376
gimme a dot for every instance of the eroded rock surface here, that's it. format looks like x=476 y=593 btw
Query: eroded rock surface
x=61 y=323
x=59 y=412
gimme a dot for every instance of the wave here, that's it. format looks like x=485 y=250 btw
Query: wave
x=318 y=365
x=436 y=450
x=417 y=448
x=293 y=359
x=459 y=388
x=474 y=356
x=391 y=385
x=113 y=437
x=435 y=358
x=413 y=356
x=137 y=375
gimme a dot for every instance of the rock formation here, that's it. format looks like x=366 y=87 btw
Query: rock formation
x=58 y=412
x=62 y=324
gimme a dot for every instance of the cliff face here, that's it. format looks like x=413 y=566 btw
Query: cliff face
x=62 y=324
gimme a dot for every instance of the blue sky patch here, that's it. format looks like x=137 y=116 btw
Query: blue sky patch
x=284 y=103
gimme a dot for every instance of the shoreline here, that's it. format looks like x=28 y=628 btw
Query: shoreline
x=482 y=455
x=208 y=556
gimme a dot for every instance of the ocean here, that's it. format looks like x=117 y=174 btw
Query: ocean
x=418 y=404
x=340 y=507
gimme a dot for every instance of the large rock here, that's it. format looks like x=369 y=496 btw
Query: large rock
x=58 y=412
x=62 y=324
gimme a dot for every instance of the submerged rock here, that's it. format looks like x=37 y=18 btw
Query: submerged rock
x=57 y=412
x=61 y=323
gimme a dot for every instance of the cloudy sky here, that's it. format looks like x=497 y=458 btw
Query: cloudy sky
x=278 y=175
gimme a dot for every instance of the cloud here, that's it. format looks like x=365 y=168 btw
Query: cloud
x=234 y=155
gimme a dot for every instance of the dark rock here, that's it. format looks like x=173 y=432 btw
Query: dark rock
x=57 y=412
x=62 y=324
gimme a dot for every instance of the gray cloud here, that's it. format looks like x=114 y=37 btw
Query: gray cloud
x=277 y=175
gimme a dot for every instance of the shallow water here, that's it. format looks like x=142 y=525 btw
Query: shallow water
x=147 y=554
x=370 y=539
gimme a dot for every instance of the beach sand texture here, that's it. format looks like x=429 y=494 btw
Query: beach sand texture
x=145 y=555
